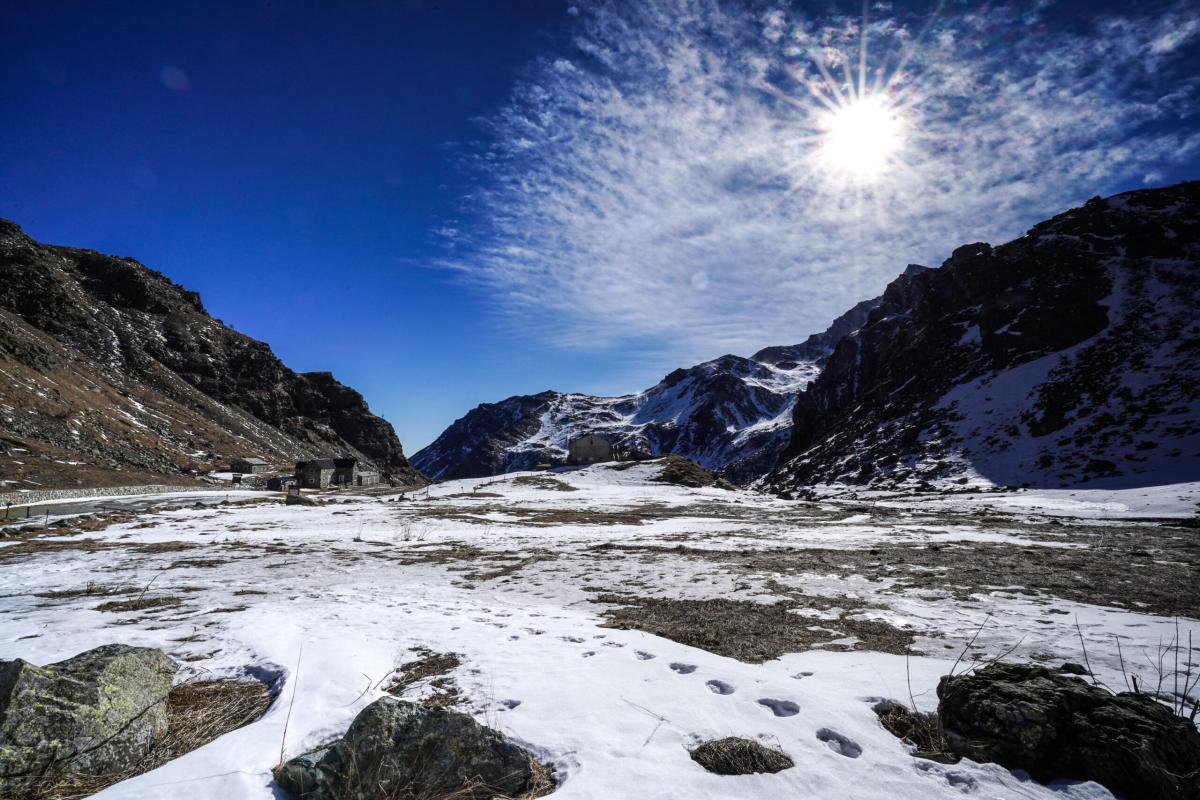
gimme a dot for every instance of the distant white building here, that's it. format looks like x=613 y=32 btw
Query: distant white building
x=589 y=449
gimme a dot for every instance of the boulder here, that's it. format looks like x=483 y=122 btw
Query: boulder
x=395 y=748
x=734 y=755
x=96 y=713
x=1055 y=725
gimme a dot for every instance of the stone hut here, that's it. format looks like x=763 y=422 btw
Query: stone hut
x=250 y=466
x=316 y=473
x=589 y=449
x=344 y=471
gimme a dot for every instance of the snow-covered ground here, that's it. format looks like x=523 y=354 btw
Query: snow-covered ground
x=505 y=571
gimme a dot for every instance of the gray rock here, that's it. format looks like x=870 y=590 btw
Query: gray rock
x=395 y=748
x=98 y=712
x=736 y=756
x=1057 y=726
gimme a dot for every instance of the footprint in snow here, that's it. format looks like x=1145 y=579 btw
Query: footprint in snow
x=613 y=644
x=572 y=639
x=513 y=638
x=589 y=654
x=953 y=777
x=683 y=669
x=842 y=745
x=509 y=705
x=720 y=687
x=780 y=708
x=644 y=656
x=801 y=675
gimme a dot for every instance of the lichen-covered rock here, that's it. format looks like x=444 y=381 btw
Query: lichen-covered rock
x=98 y=712
x=1057 y=726
x=737 y=756
x=396 y=748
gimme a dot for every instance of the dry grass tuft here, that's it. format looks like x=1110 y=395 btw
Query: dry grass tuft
x=922 y=731
x=734 y=755
x=90 y=589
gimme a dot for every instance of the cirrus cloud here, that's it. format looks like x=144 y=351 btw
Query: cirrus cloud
x=661 y=185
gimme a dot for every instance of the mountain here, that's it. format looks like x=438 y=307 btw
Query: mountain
x=110 y=373
x=732 y=415
x=1069 y=356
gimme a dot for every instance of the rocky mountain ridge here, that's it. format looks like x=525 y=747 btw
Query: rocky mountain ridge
x=1069 y=356
x=112 y=373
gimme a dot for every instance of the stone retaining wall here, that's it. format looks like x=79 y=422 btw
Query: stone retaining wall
x=44 y=495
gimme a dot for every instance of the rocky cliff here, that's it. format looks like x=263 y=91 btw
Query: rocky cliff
x=1069 y=356
x=112 y=373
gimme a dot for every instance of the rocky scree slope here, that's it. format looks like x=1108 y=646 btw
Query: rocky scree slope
x=732 y=415
x=1069 y=356
x=110 y=373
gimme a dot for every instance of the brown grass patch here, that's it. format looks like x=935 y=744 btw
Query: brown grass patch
x=431 y=668
x=748 y=631
x=544 y=482
x=139 y=604
x=509 y=569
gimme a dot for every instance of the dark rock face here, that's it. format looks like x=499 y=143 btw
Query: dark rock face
x=96 y=713
x=1057 y=726
x=732 y=415
x=736 y=756
x=119 y=340
x=1062 y=357
x=399 y=749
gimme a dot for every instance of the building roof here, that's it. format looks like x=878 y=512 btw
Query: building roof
x=321 y=463
x=251 y=460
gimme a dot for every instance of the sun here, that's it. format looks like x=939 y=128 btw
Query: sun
x=861 y=138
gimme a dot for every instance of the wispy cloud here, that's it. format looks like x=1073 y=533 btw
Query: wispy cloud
x=661 y=185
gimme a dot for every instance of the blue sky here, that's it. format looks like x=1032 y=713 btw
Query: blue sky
x=446 y=203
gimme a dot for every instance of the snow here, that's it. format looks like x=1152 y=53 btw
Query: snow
x=347 y=598
x=757 y=418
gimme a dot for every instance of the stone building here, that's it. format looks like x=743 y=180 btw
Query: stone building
x=589 y=449
x=322 y=473
x=250 y=466
x=316 y=473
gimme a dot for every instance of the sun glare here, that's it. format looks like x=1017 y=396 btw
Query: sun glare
x=862 y=137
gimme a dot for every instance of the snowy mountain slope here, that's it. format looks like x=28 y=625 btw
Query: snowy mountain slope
x=1069 y=356
x=733 y=415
